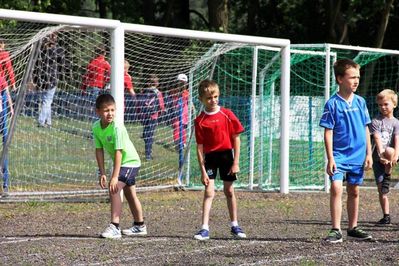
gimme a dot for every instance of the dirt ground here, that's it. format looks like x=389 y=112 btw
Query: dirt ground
x=281 y=229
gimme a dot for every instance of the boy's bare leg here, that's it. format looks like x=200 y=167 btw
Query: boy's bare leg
x=388 y=154
x=336 y=203
x=134 y=203
x=116 y=204
x=352 y=205
x=228 y=189
x=384 y=202
x=209 y=194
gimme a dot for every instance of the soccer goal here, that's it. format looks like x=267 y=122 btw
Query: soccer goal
x=58 y=157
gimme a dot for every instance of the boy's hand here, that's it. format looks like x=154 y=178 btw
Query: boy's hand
x=113 y=185
x=368 y=163
x=103 y=181
x=384 y=161
x=205 y=180
x=235 y=168
x=331 y=167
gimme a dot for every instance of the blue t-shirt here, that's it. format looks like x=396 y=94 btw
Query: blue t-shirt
x=348 y=120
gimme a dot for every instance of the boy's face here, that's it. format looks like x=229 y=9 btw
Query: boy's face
x=386 y=106
x=350 y=81
x=106 y=113
x=210 y=101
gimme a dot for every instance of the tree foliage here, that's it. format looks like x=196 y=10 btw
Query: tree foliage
x=356 y=22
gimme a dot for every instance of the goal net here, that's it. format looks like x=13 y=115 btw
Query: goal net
x=49 y=148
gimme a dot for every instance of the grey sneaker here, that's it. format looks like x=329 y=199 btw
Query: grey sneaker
x=334 y=236
x=111 y=232
x=136 y=230
x=358 y=234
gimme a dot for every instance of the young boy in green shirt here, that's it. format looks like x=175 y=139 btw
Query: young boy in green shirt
x=114 y=139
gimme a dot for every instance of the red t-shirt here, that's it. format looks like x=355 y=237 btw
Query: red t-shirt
x=98 y=72
x=215 y=130
x=127 y=80
x=6 y=70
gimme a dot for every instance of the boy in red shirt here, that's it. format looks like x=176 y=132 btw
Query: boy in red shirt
x=129 y=93
x=217 y=132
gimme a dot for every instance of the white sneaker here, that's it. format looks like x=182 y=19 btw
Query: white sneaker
x=111 y=232
x=136 y=230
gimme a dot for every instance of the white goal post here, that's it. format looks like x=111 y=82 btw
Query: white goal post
x=122 y=45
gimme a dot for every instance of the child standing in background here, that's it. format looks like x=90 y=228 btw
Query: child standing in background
x=385 y=131
x=114 y=139
x=130 y=95
x=152 y=105
x=217 y=131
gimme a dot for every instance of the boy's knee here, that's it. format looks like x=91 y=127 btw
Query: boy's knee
x=229 y=192
x=353 y=193
x=388 y=153
x=209 y=194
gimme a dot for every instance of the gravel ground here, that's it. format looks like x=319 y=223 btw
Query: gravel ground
x=281 y=229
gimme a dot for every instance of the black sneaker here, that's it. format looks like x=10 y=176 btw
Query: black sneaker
x=334 y=236
x=358 y=234
x=385 y=184
x=386 y=221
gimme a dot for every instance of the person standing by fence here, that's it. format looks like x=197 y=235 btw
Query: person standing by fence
x=49 y=68
x=7 y=79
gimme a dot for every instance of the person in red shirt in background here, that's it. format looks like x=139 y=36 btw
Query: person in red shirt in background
x=151 y=107
x=217 y=131
x=6 y=73
x=7 y=78
x=129 y=93
x=95 y=79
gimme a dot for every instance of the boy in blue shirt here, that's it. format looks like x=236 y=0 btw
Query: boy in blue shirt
x=347 y=141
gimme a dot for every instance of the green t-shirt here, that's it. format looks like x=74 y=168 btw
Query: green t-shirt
x=115 y=137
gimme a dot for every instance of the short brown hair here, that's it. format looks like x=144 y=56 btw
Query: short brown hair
x=207 y=85
x=103 y=99
x=388 y=93
x=341 y=65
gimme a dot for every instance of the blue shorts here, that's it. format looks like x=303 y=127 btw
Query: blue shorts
x=222 y=160
x=128 y=175
x=352 y=174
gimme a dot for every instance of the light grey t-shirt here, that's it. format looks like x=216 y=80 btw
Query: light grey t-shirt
x=387 y=128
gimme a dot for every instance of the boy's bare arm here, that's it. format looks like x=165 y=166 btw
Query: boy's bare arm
x=331 y=166
x=379 y=147
x=396 y=147
x=201 y=162
x=369 y=159
x=235 y=168
x=100 y=162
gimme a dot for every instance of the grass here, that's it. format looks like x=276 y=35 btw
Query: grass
x=62 y=158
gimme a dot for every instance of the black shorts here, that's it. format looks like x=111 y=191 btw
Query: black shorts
x=222 y=160
x=128 y=175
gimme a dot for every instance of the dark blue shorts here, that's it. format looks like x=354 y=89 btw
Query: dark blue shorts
x=222 y=160
x=128 y=175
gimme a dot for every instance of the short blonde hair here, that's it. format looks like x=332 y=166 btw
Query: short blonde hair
x=126 y=64
x=388 y=93
x=207 y=86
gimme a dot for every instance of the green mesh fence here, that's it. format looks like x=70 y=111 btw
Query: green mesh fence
x=233 y=71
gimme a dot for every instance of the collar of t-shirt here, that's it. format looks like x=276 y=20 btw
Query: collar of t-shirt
x=214 y=112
